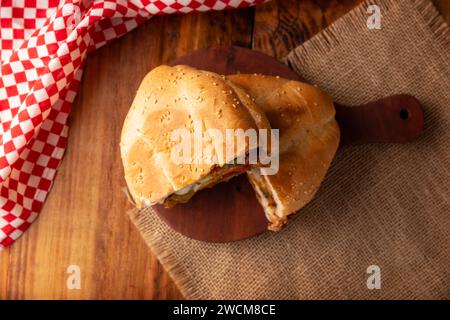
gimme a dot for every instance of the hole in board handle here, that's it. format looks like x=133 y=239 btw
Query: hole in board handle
x=404 y=114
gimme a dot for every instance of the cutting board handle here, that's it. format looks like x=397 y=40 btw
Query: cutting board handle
x=393 y=119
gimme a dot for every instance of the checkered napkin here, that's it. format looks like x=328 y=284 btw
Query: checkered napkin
x=43 y=47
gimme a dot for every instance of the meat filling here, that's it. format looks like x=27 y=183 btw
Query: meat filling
x=217 y=175
x=263 y=194
x=267 y=200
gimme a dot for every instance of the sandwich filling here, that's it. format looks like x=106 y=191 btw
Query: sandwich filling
x=217 y=174
x=267 y=199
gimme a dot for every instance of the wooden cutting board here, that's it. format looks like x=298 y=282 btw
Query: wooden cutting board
x=230 y=210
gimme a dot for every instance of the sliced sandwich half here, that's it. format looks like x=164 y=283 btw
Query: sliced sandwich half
x=171 y=99
x=309 y=138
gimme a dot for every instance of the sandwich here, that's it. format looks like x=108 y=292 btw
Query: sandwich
x=184 y=113
x=309 y=137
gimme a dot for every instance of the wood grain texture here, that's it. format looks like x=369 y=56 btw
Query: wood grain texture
x=280 y=26
x=84 y=220
x=443 y=7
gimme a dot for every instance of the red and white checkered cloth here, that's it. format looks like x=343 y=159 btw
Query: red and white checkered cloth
x=43 y=46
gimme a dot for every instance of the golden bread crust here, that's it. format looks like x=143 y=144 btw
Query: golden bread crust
x=309 y=138
x=180 y=97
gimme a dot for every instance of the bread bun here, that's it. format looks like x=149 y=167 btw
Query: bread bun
x=171 y=98
x=309 y=138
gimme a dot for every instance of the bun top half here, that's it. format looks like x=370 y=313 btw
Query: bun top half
x=291 y=106
x=309 y=138
x=181 y=97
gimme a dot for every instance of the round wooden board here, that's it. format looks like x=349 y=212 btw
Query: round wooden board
x=232 y=60
x=230 y=210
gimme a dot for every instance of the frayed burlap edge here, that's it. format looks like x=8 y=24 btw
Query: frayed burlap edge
x=342 y=30
x=160 y=248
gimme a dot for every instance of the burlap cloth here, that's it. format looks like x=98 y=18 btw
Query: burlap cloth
x=385 y=205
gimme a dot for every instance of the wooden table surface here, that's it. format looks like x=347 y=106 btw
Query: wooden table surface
x=84 y=220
